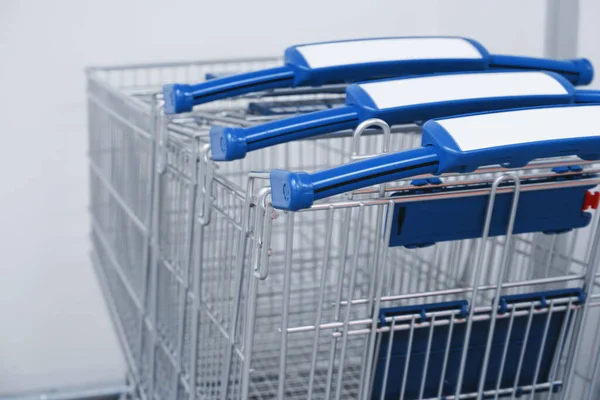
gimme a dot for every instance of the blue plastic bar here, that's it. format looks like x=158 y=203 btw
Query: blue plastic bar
x=181 y=98
x=417 y=223
x=578 y=71
x=587 y=96
x=297 y=190
x=232 y=143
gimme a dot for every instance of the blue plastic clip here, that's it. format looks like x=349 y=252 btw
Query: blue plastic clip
x=541 y=297
x=567 y=168
x=422 y=309
x=426 y=181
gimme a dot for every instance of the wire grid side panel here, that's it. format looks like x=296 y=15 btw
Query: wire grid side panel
x=127 y=308
x=121 y=146
x=146 y=365
x=297 y=381
x=182 y=391
x=311 y=291
x=331 y=268
x=165 y=373
x=585 y=384
x=101 y=275
x=586 y=376
x=177 y=186
x=211 y=356
x=221 y=291
x=124 y=234
x=169 y=309
x=186 y=379
x=219 y=241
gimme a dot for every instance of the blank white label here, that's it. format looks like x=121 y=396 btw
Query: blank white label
x=380 y=50
x=406 y=92
x=523 y=126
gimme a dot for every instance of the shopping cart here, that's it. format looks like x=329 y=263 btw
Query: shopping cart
x=221 y=220
x=122 y=108
x=313 y=235
x=124 y=120
x=153 y=195
x=363 y=314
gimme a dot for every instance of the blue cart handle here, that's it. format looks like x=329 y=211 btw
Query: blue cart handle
x=460 y=144
x=403 y=101
x=358 y=60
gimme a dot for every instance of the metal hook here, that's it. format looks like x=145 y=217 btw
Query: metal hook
x=261 y=267
x=205 y=176
x=160 y=126
x=362 y=127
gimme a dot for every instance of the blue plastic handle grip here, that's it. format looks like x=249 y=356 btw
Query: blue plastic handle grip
x=297 y=190
x=579 y=71
x=231 y=143
x=181 y=98
x=298 y=71
x=587 y=96
x=440 y=154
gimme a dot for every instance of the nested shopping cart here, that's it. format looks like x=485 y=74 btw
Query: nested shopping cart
x=222 y=214
x=479 y=286
x=174 y=303
x=122 y=108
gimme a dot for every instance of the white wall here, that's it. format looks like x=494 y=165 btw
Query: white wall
x=54 y=330
x=589 y=32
